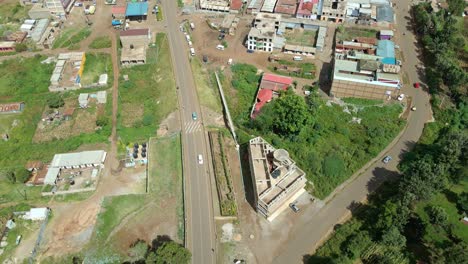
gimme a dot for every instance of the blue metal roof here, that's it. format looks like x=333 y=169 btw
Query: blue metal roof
x=137 y=9
x=385 y=13
x=388 y=60
x=386 y=48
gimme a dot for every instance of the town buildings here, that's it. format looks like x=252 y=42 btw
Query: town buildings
x=263 y=33
x=134 y=45
x=270 y=86
x=277 y=181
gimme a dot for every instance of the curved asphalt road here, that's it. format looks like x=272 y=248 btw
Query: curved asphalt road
x=306 y=235
x=200 y=232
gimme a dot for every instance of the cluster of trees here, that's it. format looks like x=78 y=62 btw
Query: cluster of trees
x=163 y=252
x=19 y=175
x=388 y=230
x=443 y=42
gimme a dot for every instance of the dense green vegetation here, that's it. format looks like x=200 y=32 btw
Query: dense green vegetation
x=304 y=70
x=149 y=94
x=101 y=43
x=12 y=13
x=421 y=221
x=326 y=140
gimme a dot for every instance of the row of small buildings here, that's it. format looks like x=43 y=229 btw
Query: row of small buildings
x=326 y=10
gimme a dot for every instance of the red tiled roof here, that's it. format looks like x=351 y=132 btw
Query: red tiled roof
x=236 y=4
x=265 y=95
x=120 y=10
x=11 y=107
x=134 y=32
x=305 y=7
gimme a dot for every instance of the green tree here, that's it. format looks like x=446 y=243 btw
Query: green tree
x=102 y=121
x=171 y=252
x=462 y=201
x=55 y=100
x=137 y=251
x=393 y=238
x=456 y=7
x=290 y=114
x=437 y=215
x=151 y=258
x=356 y=244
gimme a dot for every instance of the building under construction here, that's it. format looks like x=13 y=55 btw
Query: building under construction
x=277 y=181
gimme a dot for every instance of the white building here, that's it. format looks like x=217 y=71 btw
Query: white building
x=262 y=35
x=37 y=214
x=79 y=159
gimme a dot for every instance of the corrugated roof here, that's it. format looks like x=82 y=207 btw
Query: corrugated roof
x=119 y=10
x=51 y=175
x=385 y=13
x=277 y=78
x=78 y=158
x=134 y=32
x=137 y=9
x=265 y=95
x=386 y=48
x=286 y=7
x=236 y=4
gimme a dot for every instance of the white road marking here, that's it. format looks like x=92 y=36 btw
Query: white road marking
x=192 y=126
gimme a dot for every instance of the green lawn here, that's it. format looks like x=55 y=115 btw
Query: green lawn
x=95 y=65
x=70 y=38
x=352 y=32
x=301 y=37
x=101 y=43
x=206 y=86
x=148 y=96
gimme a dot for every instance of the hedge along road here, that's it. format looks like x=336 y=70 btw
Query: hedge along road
x=309 y=232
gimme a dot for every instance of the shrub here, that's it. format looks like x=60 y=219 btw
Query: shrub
x=20 y=47
x=55 y=100
x=437 y=215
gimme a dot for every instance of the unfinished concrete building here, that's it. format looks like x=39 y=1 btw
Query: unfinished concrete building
x=277 y=180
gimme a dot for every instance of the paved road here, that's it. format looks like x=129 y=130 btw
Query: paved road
x=200 y=235
x=306 y=234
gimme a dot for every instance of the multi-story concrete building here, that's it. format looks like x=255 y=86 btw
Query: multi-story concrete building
x=263 y=33
x=277 y=181
x=333 y=10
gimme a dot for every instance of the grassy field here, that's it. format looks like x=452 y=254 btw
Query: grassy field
x=95 y=65
x=70 y=38
x=350 y=32
x=12 y=12
x=206 y=86
x=148 y=96
x=101 y=43
x=301 y=37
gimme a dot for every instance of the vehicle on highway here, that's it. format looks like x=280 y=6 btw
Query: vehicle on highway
x=200 y=159
x=413 y=108
x=401 y=97
x=194 y=116
x=294 y=207
x=192 y=51
x=416 y=85
x=387 y=159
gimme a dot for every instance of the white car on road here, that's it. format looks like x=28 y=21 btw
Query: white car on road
x=401 y=97
x=200 y=159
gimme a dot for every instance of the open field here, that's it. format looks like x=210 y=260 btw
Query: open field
x=333 y=146
x=125 y=219
x=206 y=86
x=347 y=33
x=71 y=37
x=101 y=43
x=12 y=12
x=95 y=65
x=148 y=96
x=301 y=37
